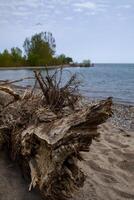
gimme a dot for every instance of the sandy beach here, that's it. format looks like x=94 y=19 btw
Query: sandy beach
x=67 y=100
x=109 y=166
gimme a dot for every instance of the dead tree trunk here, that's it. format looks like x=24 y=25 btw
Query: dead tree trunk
x=49 y=145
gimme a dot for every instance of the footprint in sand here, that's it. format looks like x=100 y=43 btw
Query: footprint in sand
x=126 y=165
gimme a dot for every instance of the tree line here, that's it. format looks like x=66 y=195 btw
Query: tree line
x=39 y=50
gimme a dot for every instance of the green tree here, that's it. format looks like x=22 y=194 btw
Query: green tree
x=40 y=48
x=62 y=59
x=69 y=60
x=16 y=52
x=17 y=58
x=11 y=59
x=86 y=63
x=5 y=59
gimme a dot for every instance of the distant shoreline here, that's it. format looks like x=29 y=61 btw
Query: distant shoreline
x=35 y=67
x=44 y=67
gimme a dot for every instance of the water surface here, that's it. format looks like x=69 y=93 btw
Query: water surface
x=98 y=82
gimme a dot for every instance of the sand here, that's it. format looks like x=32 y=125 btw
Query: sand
x=12 y=184
x=109 y=167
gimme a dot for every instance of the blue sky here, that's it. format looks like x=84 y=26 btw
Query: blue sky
x=101 y=30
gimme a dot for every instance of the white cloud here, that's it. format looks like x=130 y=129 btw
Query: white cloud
x=78 y=10
x=45 y=11
x=127 y=6
x=88 y=5
x=92 y=7
x=4 y=21
x=68 y=18
x=57 y=12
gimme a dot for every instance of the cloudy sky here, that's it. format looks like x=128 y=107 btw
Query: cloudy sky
x=102 y=30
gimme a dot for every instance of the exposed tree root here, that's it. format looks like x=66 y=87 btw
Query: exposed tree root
x=46 y=140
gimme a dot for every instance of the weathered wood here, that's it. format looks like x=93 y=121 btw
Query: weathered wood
x=48 y=145
x=10 y=92
x=1 y=140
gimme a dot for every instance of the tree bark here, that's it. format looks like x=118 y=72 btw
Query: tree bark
x=48 y=147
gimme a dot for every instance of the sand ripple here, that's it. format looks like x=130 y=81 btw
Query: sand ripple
x=109 y=167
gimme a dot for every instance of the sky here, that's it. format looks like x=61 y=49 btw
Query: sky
x=99 y=30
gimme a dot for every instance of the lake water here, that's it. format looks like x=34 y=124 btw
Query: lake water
x=98 y=82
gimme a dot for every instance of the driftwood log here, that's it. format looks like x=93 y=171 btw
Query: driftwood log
x=47 y=143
